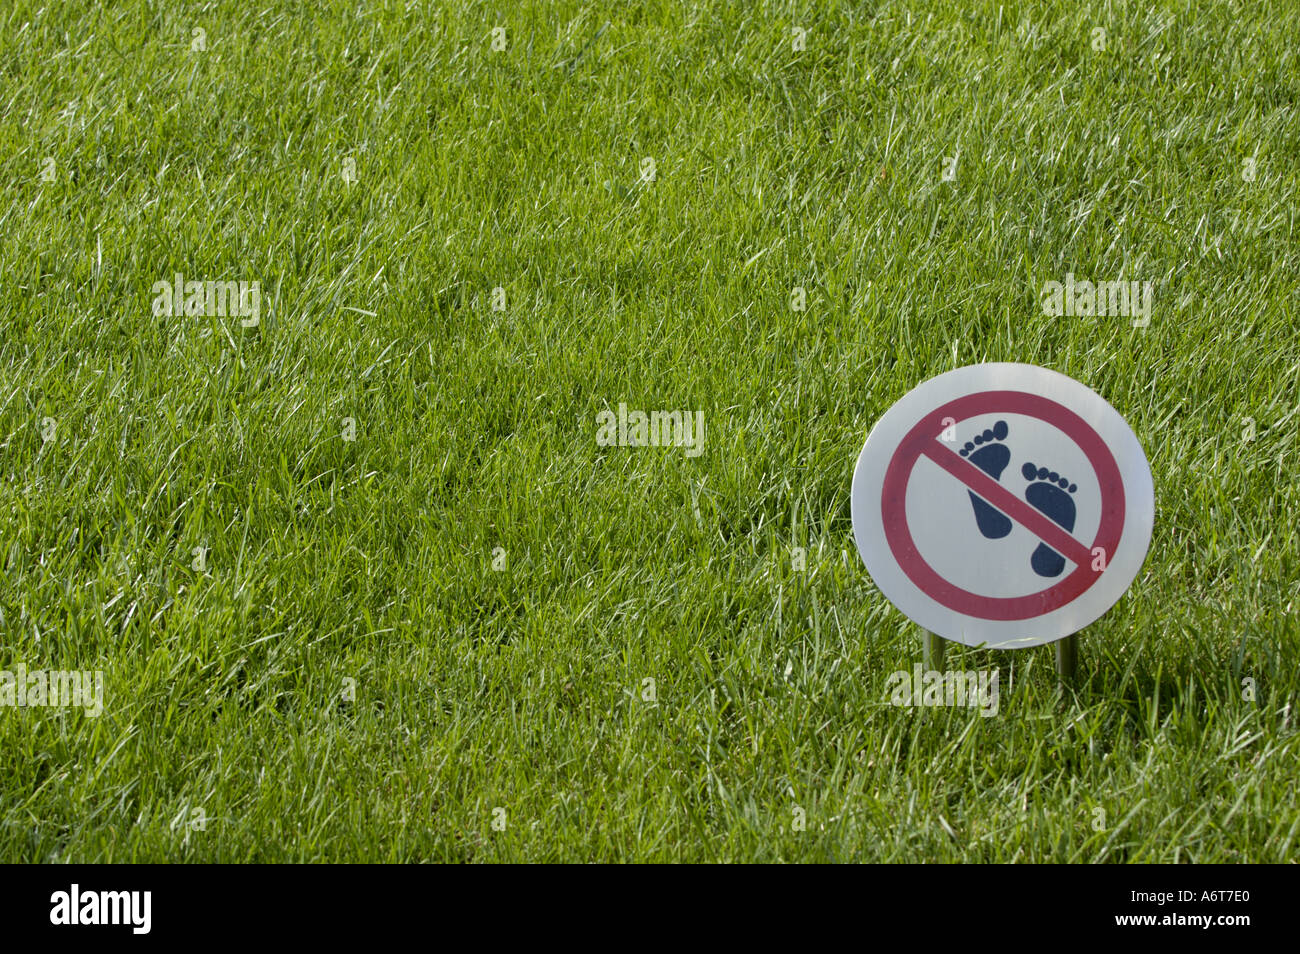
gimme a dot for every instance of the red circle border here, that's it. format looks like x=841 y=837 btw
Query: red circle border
x=899 y=535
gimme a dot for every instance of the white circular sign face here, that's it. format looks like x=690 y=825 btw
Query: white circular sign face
x=1002 y=505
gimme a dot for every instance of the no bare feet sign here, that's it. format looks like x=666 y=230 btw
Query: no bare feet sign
x=1002 y=505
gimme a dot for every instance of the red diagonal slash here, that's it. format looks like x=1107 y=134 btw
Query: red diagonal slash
x=1037 y=523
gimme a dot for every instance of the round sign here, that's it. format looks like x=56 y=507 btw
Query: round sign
x=1002 y=505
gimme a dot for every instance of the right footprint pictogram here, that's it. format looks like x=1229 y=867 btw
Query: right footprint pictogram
x=1049 y=493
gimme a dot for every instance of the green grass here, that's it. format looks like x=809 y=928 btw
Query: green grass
x=371 y=560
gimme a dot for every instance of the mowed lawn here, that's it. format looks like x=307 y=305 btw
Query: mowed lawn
x=361 y=581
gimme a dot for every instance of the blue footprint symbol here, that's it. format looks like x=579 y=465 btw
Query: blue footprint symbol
x=1049 y=492
x=992 y=458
